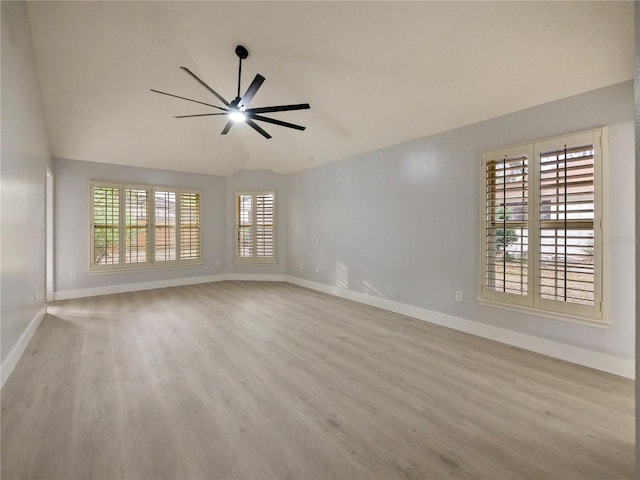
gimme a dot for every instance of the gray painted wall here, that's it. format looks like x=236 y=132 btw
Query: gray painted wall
x=403 y=223
x=25 y=155
x=72 y=223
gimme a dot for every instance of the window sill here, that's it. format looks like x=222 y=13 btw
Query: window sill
x=601 y=324
x=255 y=262
x=146 y=268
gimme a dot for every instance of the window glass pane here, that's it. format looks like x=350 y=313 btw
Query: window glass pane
x=189 y=226
x=165 y=226
x=136 y=224
x=106 y=225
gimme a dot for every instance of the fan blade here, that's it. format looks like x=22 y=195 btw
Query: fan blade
x=277 y=122
x=251 y=91
x=188 y=99
x=257 y=128
x=227 y=127
x=218 y=96
x=279 y=108
x=199 y=115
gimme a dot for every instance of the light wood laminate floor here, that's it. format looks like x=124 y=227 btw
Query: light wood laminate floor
x=248 y=380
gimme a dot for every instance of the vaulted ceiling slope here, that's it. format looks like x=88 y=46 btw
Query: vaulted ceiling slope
x=375 y=73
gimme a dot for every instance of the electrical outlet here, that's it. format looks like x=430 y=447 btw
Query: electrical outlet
x=72 y=275
x=317 y=269
x=458 y=296
x=317 y=241
x=216 y=263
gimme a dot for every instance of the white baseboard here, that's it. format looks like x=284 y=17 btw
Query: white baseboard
x=135 y=287
x=12 y=359
x=255 y=277
x=175 y=282
x=581 y=356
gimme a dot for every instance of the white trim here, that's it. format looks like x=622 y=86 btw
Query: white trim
x=50 y=234
x=581 y=356
x=545 y=313
x=145 y=268
x=12 y=359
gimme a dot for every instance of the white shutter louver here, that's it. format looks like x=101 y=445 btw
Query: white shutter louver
x=106 y=225
x=256 y=227
x=136 y=240
x=567 y=224
x=165 y=226
x=506 y=233
x=189 y=226
x=244 y=245
x=264 y=226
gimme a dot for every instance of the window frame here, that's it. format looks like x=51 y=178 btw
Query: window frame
x=594 y=315
x=151 y=262
x=255 y=258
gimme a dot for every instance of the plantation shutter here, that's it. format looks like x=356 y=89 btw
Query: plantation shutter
x=165 y=226
x=506 y=233
x=244 y=240
x=265 y=225
x=142 y=226
x=255 y=227
x=136 y=242
x=568 y=224
x=106 y=225
x=189 y=226
x=542 y=228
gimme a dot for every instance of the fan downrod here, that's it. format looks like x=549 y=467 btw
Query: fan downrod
x=242 y=52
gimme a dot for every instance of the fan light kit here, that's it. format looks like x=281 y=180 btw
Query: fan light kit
x=237 y=116
x=237 y=110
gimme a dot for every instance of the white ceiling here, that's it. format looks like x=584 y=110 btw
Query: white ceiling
x=375 y=73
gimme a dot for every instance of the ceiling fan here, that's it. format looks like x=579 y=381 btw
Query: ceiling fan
x=237 y=110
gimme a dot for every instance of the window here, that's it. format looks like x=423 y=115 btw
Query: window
x=136 y=226
x=136 y=206
x=256 y=227
x=106 y=225
x=189 y=226
x=542 y=226
x=165 y=217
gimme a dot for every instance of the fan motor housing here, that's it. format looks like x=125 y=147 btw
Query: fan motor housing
x=242 y=52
